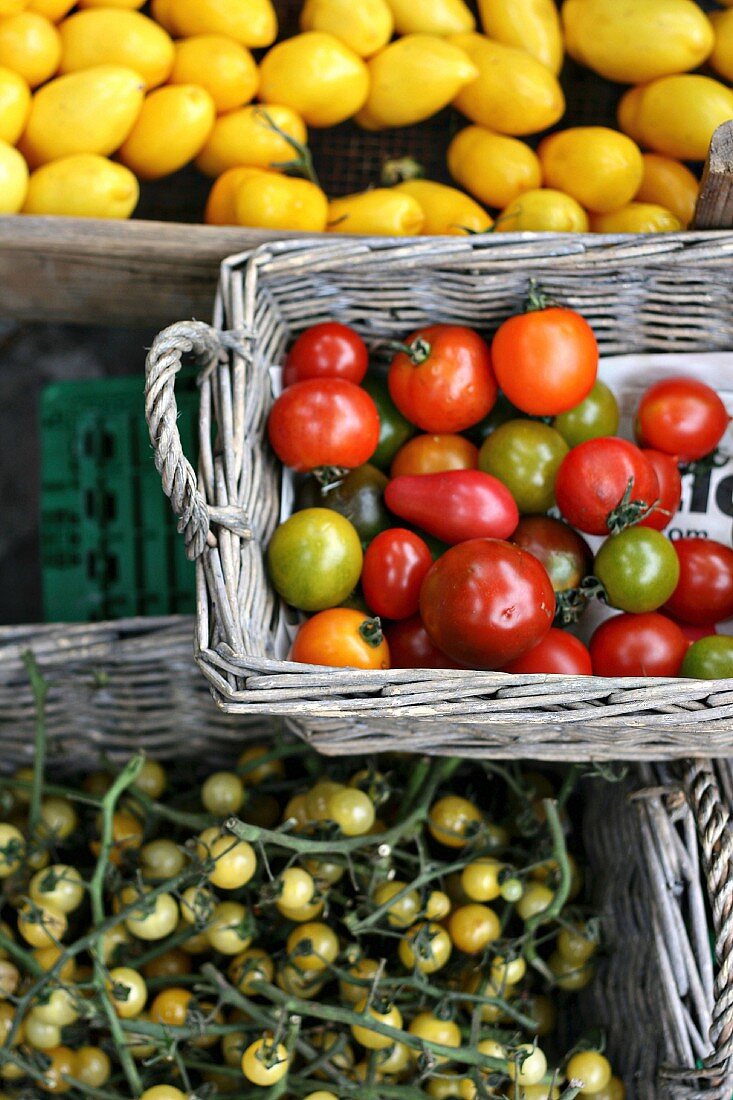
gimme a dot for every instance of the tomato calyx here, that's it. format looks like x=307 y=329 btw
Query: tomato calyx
x=571 y=604
x=712 y=461
x=371 y=631
x=536 y=299
x=329 y=477
x=629 y=512
x=417 y=351
x=401 y=169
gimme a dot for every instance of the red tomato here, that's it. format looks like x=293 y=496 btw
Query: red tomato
x=638 y=645
x=695 y=633
x=410 y=646
x=486 y=602
x=670 y=489
x=329 y=350
x=323 y=422
x=395 y=564
x=594 y=477
x=444 y=382
x=432 y=454
x=704 y=592
x=681 y=417
x=558 y=652
x=546 y=361
x=565 y=554
x=341 y=637
x=454 y=506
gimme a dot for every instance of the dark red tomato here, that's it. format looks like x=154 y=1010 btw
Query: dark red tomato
x=546 y=360
x=594 y=477
x=443 y=381
x=395 y=564
x=670 y=489
x=695 y=633
x=681 y=417
x=638 y=645
x=486 y=602
x=410 y=646
x=329 y=350
x=704 y=592
x=558 y=652
x=323 y=422
x=455 y=505
x=565 y=554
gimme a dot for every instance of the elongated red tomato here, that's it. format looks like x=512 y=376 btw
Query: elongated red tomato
x=410 y=646
x=486 y=602
x=395 y=565
x=443 y=381
x=593 y=478
x=638 y=645
x=455 y=505
x=670 y=489
x=558 y=652
x=323 y=422
x=681 y=417
x=545 y=360
x=328 y=350
x=704 y=592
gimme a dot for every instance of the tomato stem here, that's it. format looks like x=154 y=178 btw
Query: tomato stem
x=39 y=688
x=329 y=477
x=537 y=299
x=302 y=162
x=629 y=512
x=417 y=352
x=371 y=632
x=713 y=461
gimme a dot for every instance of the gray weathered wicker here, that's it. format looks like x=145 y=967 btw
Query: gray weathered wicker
x=661 y=860
x=666 y=292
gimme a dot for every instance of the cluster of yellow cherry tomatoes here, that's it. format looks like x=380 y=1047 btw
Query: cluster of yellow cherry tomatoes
x=94 y=100
x=352 y=930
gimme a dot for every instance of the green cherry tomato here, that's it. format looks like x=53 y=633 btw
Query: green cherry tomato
x=709 y=658
x=593 y=418
x=394 y=428
x=314 y=559
x=359 y=497
x=638 y=568
x=502 y=411
x=525 y=455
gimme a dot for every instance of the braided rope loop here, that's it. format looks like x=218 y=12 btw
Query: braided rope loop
x=161 y=412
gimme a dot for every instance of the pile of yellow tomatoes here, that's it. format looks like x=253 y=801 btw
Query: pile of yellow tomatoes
x=339 y=929
x=94 y=100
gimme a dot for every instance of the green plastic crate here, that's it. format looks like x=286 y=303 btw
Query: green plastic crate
x=109 y=545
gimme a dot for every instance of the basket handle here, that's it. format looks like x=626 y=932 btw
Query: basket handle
x=210 y=347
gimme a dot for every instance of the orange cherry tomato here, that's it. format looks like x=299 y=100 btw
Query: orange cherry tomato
x=433 y=454
x=343 y=638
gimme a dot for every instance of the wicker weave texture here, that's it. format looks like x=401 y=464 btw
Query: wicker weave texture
x=662 y=293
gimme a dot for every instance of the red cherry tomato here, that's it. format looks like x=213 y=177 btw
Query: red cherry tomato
x=594 y=477
x=486 y=602
x=638 y=645
x=323 y=422
x=695 y=633
x=545 y=361
x=682 y=417
x=670 y=489
x=558 y=652
x=329 y=350
x=410 y=646
x=565 y=554
x=395 y=564
x=704 y=592
x=432 y=454
x=454 y=506
x=445 y=382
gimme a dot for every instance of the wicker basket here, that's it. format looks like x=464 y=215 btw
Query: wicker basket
x=660 y=845
x=662 y=293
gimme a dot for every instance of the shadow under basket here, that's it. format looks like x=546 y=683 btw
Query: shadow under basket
x=659 y=844
x=663 y=293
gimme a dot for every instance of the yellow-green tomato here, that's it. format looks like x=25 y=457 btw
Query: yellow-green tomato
x=593 y=418
x=528 y=1065
x=592 y=1069
x=525 y=455
x=314 y=559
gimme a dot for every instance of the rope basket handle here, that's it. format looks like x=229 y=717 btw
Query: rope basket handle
x=716 y=837
x=210 y=347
